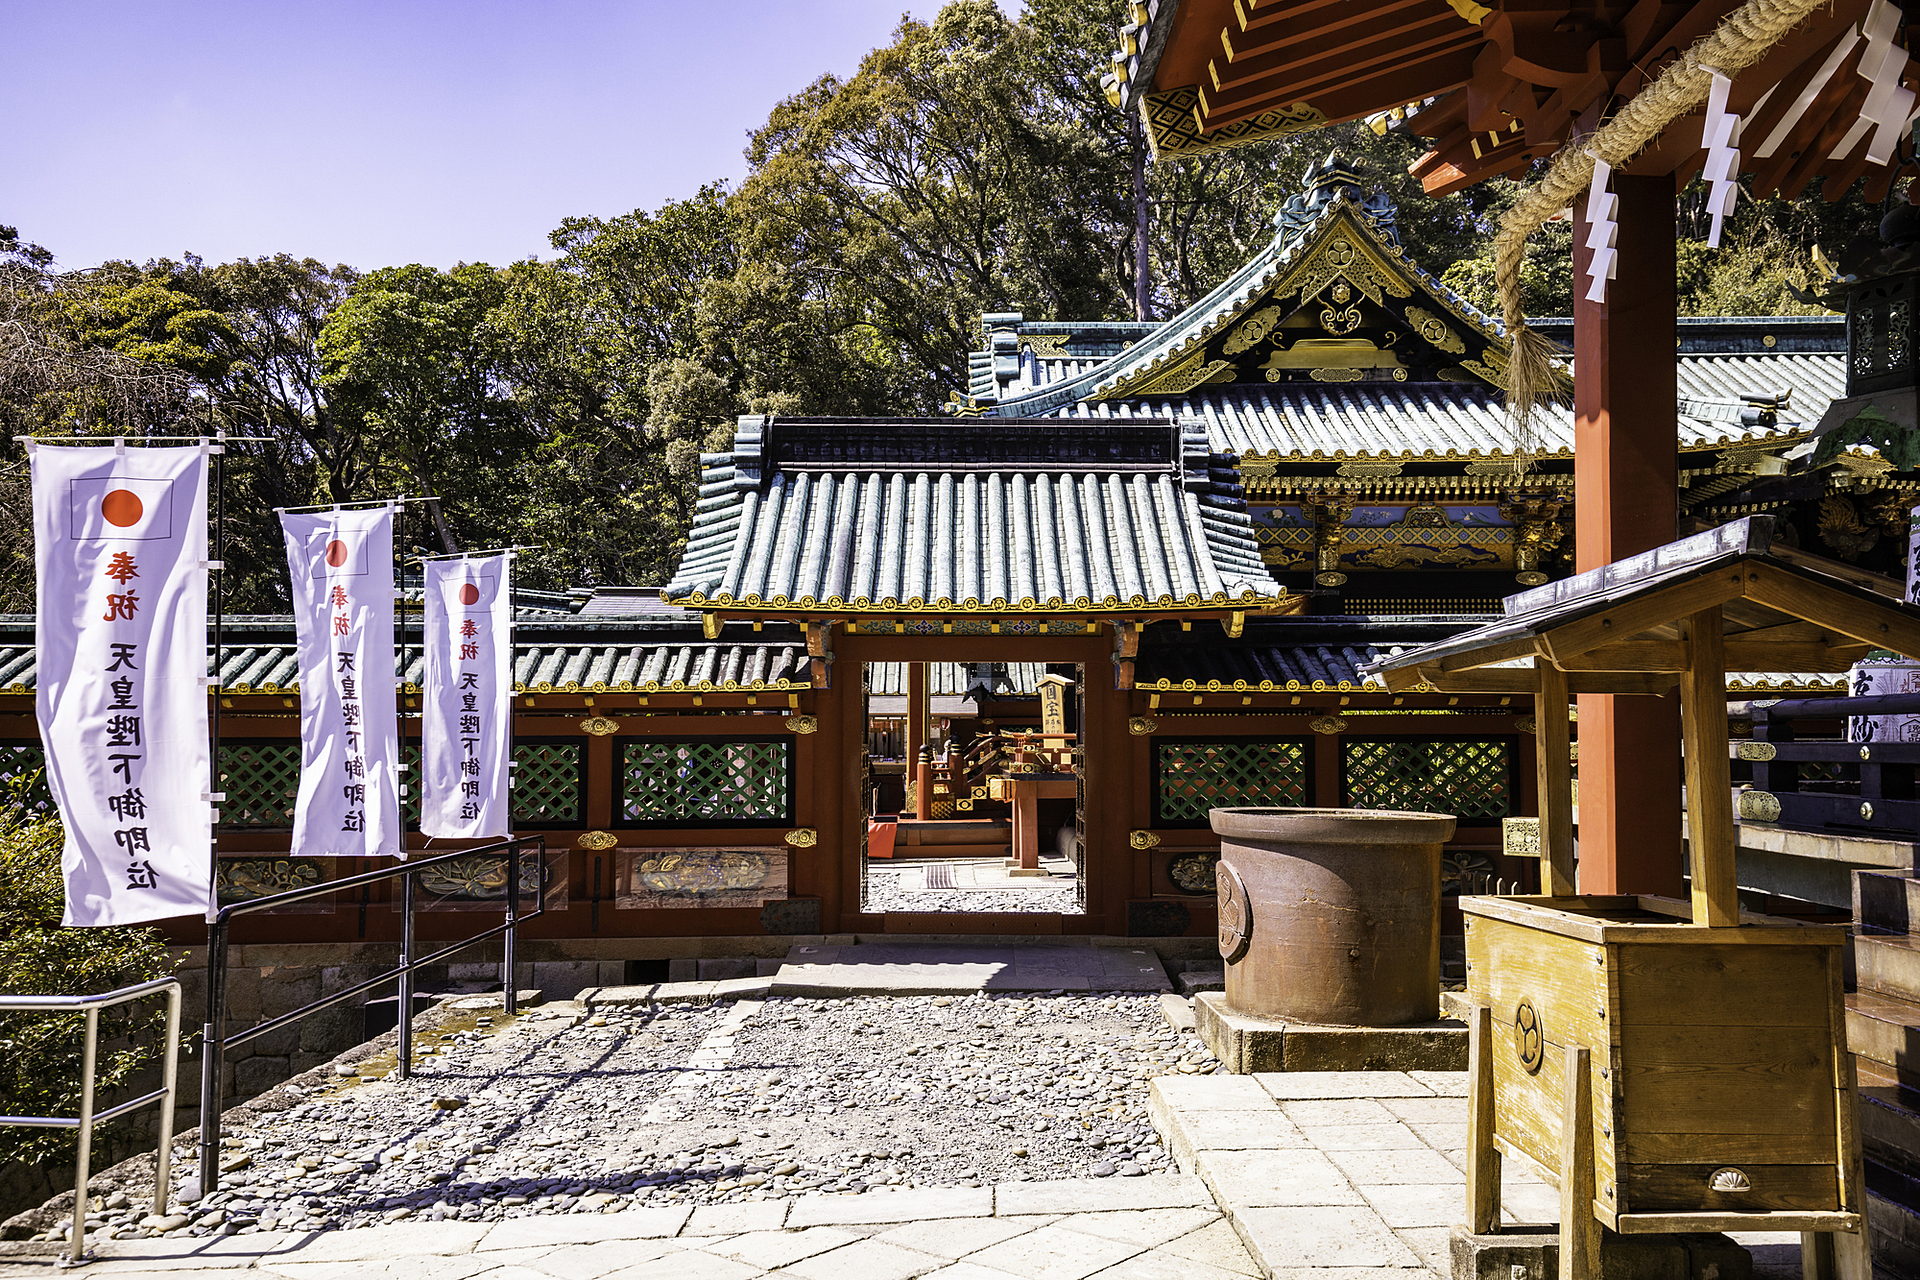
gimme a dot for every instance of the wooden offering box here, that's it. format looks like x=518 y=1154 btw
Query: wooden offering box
x=1670 y=1066
x=1715 y=1060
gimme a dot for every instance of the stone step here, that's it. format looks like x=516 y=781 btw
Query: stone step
x=1887 y=964
x=1889 y=1116
x=1893 y=1219
x=1886 y=902
x=1885 y=1030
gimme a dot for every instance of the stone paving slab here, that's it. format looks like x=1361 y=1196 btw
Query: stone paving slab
x=1318 y=1176
x=892 y=1206
x=1354 y=1173
x=937 y=968
x=1099 y=1196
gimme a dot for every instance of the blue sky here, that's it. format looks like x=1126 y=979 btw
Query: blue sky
x=377 y=134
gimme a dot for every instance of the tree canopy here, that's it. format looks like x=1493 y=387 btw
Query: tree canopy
x=971 y=165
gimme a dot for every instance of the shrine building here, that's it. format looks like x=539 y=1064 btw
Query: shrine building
x=1130 y=578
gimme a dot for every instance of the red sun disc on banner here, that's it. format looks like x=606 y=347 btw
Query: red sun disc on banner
x=121 y=507
x=336 y=553
x=469 y=594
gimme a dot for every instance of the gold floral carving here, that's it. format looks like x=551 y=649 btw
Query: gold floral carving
x=1326 y=375
x=596 y=840
x=803 y=724
x=1141 y=725
x=1327 y=724
x=803 y=838
x=1340 y=323
x=599 y=726
x=1183 y=375
x=1372 y=467
x=1339 y=258
x=1526 y=724
x=1435 y=330
x=1046 y=344
x=1142 y=839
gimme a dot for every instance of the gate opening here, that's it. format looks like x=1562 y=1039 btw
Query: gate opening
x=974 y=788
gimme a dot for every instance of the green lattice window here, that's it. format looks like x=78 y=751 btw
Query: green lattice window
x=262 y=782
x=1471 y=780
x=705 y=782
x=20 y=761
x=1194 y=776
x=547 y=787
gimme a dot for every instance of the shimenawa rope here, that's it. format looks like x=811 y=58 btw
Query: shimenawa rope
x=1741 y=40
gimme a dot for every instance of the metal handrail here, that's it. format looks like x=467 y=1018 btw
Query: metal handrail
x=215 y=1032
x=84 y=1122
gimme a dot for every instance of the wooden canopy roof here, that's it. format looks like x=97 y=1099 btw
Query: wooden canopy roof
x=1493 y=87
x=1619 y=629
x=1674 y=617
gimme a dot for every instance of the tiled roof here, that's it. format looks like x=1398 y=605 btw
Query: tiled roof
x=969 y=516
x=260 y=659
x=1277 y=654
x=628 y=602
x=1717 y=406
x=1160 y=347
x=950 y=679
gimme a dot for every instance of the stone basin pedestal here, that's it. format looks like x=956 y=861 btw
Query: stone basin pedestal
x=1330 y=930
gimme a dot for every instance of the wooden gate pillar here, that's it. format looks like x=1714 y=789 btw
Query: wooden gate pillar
x=1625 y=500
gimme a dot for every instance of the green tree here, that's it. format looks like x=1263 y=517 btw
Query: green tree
x=40 y=1054
x=412 y=362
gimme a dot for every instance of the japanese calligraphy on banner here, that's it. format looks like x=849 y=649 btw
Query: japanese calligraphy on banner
x=120 y=567
x=341 y=563
x=466 y=697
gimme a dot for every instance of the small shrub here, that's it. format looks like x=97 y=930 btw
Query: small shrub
x=41 y=1053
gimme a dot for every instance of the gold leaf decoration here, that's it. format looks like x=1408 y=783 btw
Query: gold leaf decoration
x=803 y=838
x=1142 y=839
x=803 y=724
x=599 y=726
x=1141 y=725
x=1327 y=724
x=1253 y=331
x=1435 y=330
x=596 y=840
x=1173 y=123
x=1325 y=375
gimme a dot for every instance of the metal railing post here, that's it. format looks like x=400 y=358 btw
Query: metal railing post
x=81 y=1169
x=169 y=1083
x=509 y=991
x=406 y=976
x=215 y=1029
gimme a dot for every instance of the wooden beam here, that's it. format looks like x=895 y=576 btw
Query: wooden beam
x=1627 y=620
x=1554 y=773
x=1703 y=732
x=1579 y=1230
x=1483 y=1158
x=1521 y=648
x=1887 y=626
x=1741 y=655
x=1524 y=680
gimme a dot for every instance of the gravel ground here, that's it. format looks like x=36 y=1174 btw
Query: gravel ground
x=900 y=889
x=561 y=1112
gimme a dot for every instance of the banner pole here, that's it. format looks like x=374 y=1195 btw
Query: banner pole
x=400 y=696
x=219 y=558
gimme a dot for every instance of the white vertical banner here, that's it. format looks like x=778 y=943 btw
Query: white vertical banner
x=466 y=699
x=341 y=564
x=1913 y=556
x=120 y=571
